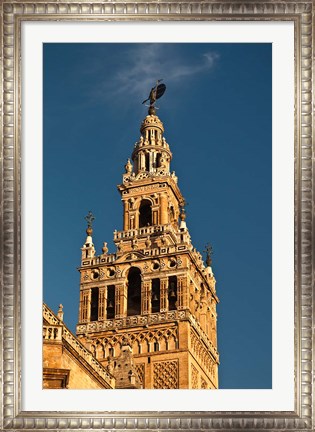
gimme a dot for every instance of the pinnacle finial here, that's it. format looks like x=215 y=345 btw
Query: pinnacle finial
x=60 y=312
x=182 y=214
x=209 y=251
x=89 y=219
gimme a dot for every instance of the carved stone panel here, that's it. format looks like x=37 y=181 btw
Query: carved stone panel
x=165 y=374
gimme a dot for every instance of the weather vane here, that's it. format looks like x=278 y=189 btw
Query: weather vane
x=209 y=252
x=89 y=218
x=155 y=93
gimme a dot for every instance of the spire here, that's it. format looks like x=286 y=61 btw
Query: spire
x=182 y=217
x=152 y=154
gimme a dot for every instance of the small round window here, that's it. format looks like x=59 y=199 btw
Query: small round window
x=111 y=272
x=156 y=265
x=172 y=263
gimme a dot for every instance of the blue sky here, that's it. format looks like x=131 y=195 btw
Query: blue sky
x=217 y=117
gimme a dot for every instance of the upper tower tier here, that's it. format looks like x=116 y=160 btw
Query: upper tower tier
x=149 y=190
x=152 y=153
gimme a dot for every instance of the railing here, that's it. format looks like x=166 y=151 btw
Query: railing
x=133 y=321
x=145 y=231
x=103 y=259
x=52 y=333
x=50 y=316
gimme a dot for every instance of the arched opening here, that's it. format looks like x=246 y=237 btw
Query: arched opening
x=147 y=162
x=145 y=213
x=158 y=160
x=172 y=292
x=134 y=292
x=110 y=302
x=94 y=304
x=156 y=295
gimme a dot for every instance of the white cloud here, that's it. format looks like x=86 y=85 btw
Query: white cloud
x=145 y=63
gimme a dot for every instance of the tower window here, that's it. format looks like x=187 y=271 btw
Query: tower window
x=134 y=292
x=156 y=295
x=94 y=304
x=156 y=346
x=110 y=302
x=147 y=162
x=172 y=292
x=145 y=216
x=158 y=160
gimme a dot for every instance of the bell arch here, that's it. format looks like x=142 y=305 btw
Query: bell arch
x=134 y=291
x=145 y=213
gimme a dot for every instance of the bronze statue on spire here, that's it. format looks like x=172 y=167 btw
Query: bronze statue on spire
x=155 y=93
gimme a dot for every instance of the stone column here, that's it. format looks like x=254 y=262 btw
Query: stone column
x=102 y=303
x=203 y=316
x=120 y=300
x=143 y=161
x=163 y=209
x=146 y=306
x=85 y=305
x=182 y=292
x=126 y=216
x=164 y=295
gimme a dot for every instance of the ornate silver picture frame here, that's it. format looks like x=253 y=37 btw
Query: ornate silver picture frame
x=13 y=14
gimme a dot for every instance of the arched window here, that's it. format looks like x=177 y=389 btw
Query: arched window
x=134 y=292
x=156 y=295
x=158 y=160
x=94 y=304
x=172 y=292
x=110 y=302
x=147 y=162
x=145 y=214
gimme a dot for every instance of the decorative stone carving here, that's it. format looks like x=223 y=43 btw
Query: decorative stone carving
x=105 y=248
x=128 y=167
x=165 y=374
x=194 y=377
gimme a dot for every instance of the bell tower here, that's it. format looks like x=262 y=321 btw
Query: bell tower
x=154 y=297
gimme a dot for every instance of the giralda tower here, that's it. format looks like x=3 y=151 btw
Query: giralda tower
x=148 y=311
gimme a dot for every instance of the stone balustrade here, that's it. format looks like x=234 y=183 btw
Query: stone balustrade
x=52 y=333
x=133 y=321
x=145 y=231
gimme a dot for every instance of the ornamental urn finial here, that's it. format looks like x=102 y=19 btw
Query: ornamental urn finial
x=89 y=219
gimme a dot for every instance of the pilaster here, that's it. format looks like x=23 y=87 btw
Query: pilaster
x=146 y=296
x=163 y=294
